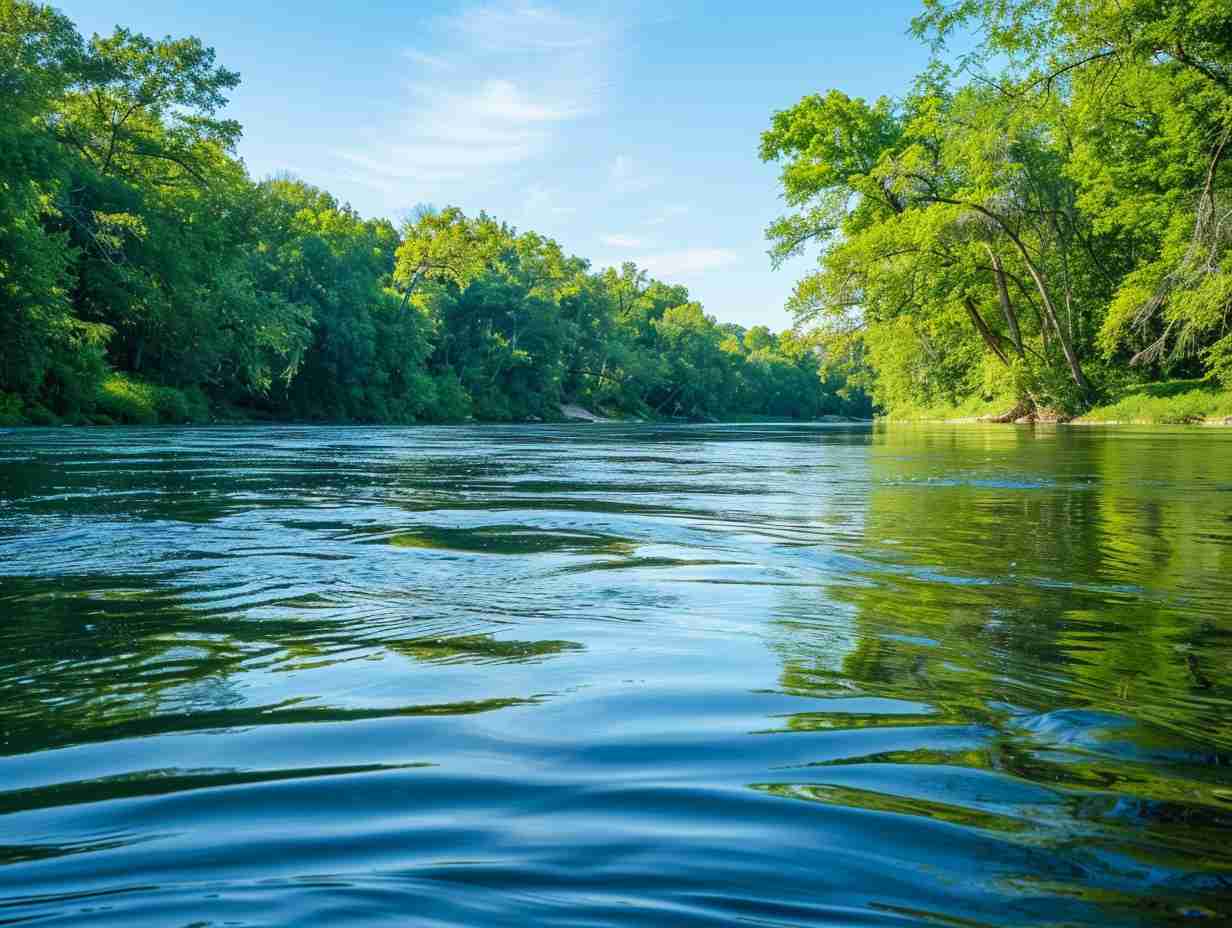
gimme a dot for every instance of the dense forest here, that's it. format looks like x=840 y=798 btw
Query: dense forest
x=144 y=276
x=1043 y=221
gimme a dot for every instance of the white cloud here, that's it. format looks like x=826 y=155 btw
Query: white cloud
x=666 y=214
x=500 y=83
x=621 y=241
x=436 y=62
x=503 y=100
x=542 y=201
x=625 y=176
x=687 y=261
x=621 y=169
x=528 y=26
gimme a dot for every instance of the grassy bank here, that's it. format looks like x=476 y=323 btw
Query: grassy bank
x=969 y=409
x=118 y=400
x=122 y=399
x=1169 y=402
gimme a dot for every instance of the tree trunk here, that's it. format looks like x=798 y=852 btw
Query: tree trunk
x=1067 y=348
x=1007 y=308
x=410 y=288
x=990 y=338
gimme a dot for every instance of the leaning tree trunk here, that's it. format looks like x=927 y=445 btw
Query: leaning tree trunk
x=1067 y=347
x=990 y=338
x=1007 y=307
x=1027 y=404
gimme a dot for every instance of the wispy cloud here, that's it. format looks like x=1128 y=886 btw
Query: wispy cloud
x=685 y=262
x=621 y=241
x=501 y=26
x=543 y=201
x=436 y=62
x=500 y=83
x=666 y=214
x=625 y=176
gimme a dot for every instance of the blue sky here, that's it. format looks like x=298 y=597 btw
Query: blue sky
x=625 y=130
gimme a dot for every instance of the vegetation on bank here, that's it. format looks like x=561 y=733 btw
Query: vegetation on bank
x=145 y=277
x=969 y=409
x=1038 y=225
x=1169 y=402
x=1165 y=402
x=1041 y=227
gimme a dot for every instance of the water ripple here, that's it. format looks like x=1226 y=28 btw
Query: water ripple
x=598 y=675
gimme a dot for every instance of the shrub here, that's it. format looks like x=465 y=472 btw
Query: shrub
x=11 y=409
x=198 y=405
x=126 y=400
x=453 y=403
x=1219 y=360
x=1167 y=403
x=122 y=398
x=37 y=414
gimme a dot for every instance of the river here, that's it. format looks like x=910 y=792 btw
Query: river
x=592 y=675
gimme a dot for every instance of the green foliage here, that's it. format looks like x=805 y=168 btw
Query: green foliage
x=1033 y=217
x=452 y=402
x=1219 y=360
x=11 y=409
x=39 y=55
x=447 y=246
x=1166 y=402
x=124 y=399
x=145 y=110
x=144 y=277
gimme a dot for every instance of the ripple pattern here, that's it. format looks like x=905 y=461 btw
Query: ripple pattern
x=597 y=675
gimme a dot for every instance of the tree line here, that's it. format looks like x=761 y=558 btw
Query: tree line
x=1043 y=219
x=144 y=276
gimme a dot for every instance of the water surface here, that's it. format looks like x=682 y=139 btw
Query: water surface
x=600 y=675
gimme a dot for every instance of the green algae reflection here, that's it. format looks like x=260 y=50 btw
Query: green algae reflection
x=511 y=539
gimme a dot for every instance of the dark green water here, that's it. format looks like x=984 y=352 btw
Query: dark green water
x=601 y=675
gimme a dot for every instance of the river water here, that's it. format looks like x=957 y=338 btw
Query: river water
x=616 y=675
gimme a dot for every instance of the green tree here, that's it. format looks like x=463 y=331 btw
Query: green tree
x=48 y=357
x=1147 y=86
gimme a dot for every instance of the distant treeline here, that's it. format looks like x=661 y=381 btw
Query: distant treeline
x=145 y=277
x=1045 y=220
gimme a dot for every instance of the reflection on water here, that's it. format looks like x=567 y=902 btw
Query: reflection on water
x=587 y=675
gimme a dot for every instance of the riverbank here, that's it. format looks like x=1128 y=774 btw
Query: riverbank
x=1168 y=402
x=122 y=399
x=125 y=401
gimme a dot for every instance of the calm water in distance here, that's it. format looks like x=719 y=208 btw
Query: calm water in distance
x=616 y=675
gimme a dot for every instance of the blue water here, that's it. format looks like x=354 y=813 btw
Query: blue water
x=610 y=675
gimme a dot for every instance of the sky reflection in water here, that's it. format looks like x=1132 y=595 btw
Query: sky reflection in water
x=694 y=675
